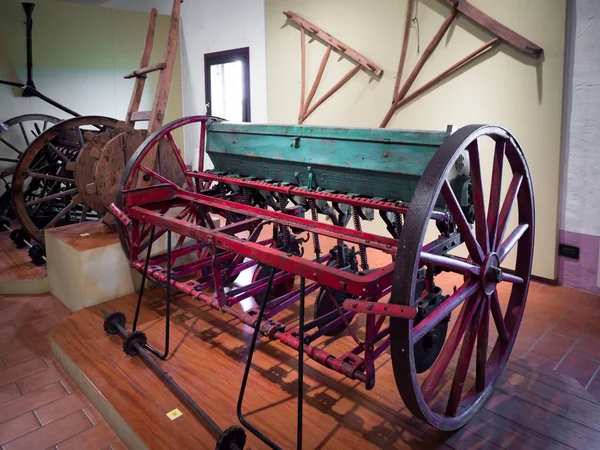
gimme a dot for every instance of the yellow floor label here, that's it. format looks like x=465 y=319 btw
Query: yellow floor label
x=174 y=414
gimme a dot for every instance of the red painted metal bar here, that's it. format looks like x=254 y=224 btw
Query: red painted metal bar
x=380 y=309
x=269 y=328
x=290 y=190
x=361 y=285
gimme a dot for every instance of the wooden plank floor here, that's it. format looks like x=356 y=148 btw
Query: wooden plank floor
x=532 y=408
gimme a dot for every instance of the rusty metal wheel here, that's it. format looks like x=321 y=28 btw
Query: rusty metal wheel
x=44 y=192
x=449 y=393
x=15 y=136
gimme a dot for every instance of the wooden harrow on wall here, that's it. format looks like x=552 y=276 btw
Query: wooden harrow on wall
x=501 y=34
x=360 y=62
x=267 y=177
x=69 y=172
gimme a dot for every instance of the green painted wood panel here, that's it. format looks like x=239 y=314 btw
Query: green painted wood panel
x=370 y=162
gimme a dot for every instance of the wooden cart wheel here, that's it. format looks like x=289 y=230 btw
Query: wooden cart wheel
x=86 y=165
x=444 y=399
x=111 y=164
x=44 y=193
x=15 y=136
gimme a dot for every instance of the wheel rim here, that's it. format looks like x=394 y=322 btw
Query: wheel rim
x=20 y=131
x=478 y=298
x=55 y=166
x=175 y=173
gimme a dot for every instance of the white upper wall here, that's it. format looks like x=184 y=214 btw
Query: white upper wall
x=162 y=6
x=208 y=26
x=581 y=163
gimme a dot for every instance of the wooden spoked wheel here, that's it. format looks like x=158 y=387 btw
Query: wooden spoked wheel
x=15 y=136
x=168 y=167
x=444 y=396
x=44 y=192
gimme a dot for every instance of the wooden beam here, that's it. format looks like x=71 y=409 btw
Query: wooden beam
x=366 y=64
x=496 y=28
x=409 y=12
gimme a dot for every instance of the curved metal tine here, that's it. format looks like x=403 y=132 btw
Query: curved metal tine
x=240 y=401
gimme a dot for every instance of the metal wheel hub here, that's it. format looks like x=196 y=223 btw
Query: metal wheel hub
x=491 y=273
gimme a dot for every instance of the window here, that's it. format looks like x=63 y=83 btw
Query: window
x=227 y=84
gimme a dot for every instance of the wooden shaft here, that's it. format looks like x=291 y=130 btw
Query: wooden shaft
x=426 y=54
x=303 y=76
x=424 y=57
x=315 y=85
x=333 y=90
x=164 y=80
x=367 y=64
x=409 y=13
x=162 y=90
x=138 y=87
x=495 y=27
x=446 y=72
x=143 y=71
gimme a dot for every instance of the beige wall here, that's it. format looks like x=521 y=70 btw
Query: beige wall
x=80 y=54
x=504 y=87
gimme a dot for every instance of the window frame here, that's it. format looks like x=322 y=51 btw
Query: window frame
x=224 y=57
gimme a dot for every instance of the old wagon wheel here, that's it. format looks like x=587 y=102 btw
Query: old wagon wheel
x=15 y=136
x=44 y=192
x=443 y=399
x=86 y=166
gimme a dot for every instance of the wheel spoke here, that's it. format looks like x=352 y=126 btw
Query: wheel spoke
x=48 y=177
x=482 y=346
x=9 y=145
x=512 y=240
x=455 y=265
x=57 y=152
x=481 y=228
x=466 y=351
x=156 y=176
x=180 y=161
x=37 y=130
x=442 y=311
x=507 y=206
x=495 y=191
x=24 y=133
x=52 y=197
x=76 y=200
x=498 y=317
x=462 y=224
x=509 y=277
x=441 y=363
x=84 y=213
x=80 y=137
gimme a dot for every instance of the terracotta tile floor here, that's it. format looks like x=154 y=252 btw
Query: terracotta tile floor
x=40 y=407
